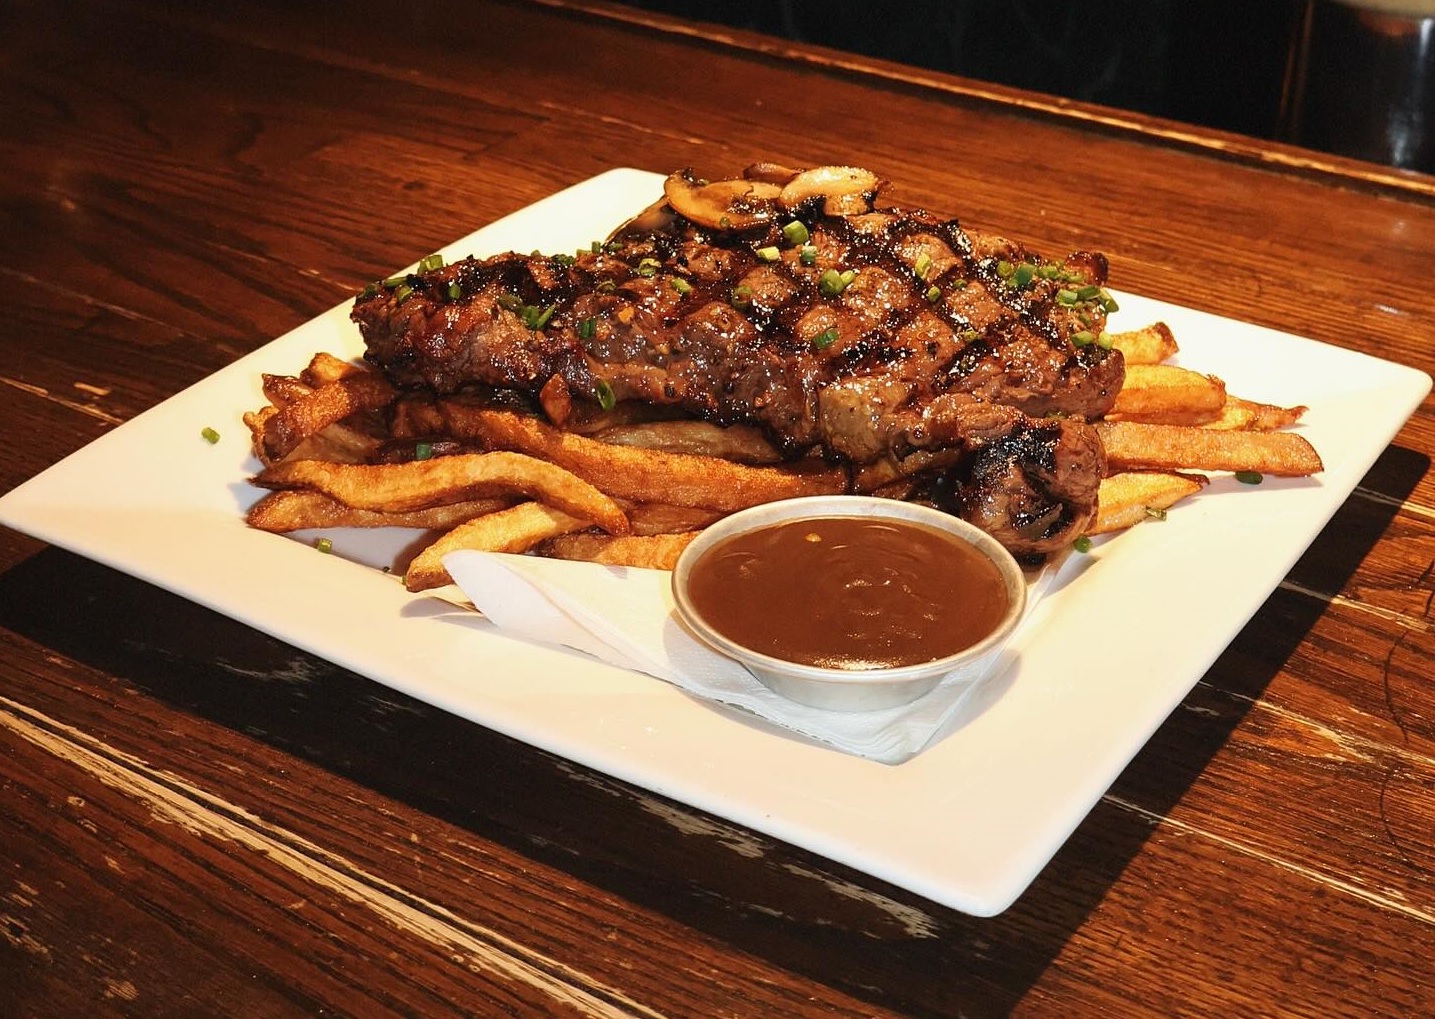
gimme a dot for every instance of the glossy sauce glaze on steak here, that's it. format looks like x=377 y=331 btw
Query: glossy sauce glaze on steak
x=890 y=339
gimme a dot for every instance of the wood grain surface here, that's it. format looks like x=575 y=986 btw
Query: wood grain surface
x=197 y=820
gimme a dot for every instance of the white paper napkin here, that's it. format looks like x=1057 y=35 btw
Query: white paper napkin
x=625 y=616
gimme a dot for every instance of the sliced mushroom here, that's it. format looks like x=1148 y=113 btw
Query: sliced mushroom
x=655 y=219
x=722 y=204
x=844 y=190
x=772 y=173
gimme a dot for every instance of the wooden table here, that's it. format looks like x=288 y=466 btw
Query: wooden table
x=198 y=820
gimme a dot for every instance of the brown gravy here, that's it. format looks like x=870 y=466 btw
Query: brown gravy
x=849 y=592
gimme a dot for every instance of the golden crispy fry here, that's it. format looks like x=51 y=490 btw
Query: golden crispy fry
x=1127 y=499
x=1249 y=416
x=446 y=479
x=1150 y=345
x=255 y=420
x=516 y=529
x=282 y=390
x=338 y=443
x=324 y=368
x=664 y=518
x=700 y=438
x=639 y=475
x=296 y=509
x=653 y=552
x=311 y=412
x=1134 y=445
x=1167 y=394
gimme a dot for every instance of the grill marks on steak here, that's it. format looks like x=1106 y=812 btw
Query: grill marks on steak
x=940 y=341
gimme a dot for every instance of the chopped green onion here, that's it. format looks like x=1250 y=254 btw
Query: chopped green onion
x=454 y=291
x=934 y=292
x=209 y=435
x=1108 y=303
x=724 y=222
x=606 y=397
x=403 y=292
x=826 y=338
x=1082 y=544
x=1249 y=477
x=1023 y=275
x=649 y=266
x=1155 y=513
x=369 y=291
x=394 y=281
x=1088 y=293
x=606 y=286
x=324 y=545
x=536 y=318
x=796 y=232
x=1066 y=297
x=1105 y=340
x=563 y=258
x=430 y=262
x=509 y=302
x=808 y=255
x=1084 y=338
x=682 y=286
x=769 y=253
x=587 y=328
x=596 y=247
x=742 y=297
x=923 y=266
x=831 y=283
x=1005 y=269
x=423 y=450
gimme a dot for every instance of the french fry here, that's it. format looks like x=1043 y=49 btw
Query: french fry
x=282 y=390
x=700 y=438
x=255 y=420
x=1132 y=445
x=1129 y=498
x=665 y=518
x=1167 y=394
x=297 y=510
x=1247 y=415
x=324 y=368
x=516 y=529
x=419 y=484
x=311 y=412
x=652 y=552
x=632 y=473
x=1149 y=345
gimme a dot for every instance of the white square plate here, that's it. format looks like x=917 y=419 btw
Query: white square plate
x=967 y=823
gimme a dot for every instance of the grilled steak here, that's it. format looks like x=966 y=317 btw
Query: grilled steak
x=888 y=338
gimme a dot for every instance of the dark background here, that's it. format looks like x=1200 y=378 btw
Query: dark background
x=1220 y=63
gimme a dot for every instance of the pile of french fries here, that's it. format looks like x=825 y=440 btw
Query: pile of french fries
x=341 y=448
